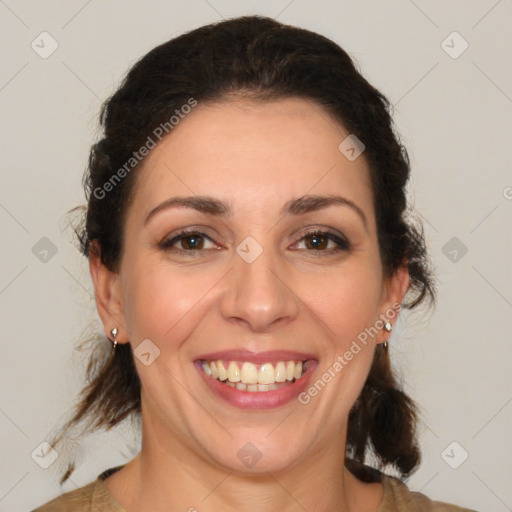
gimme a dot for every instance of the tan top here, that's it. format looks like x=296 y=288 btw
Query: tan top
x=96 y=497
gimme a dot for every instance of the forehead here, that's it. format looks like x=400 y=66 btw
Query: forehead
x=257 y=154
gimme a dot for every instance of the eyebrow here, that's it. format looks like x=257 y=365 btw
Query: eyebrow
x=299 y=206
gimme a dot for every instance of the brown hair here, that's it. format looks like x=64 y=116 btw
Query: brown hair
x=264 y=59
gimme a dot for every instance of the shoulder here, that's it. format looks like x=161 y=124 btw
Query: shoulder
x=79 y=500
x=398 y=497
x=89 y=498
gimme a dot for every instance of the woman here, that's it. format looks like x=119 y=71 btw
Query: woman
x=248 y=242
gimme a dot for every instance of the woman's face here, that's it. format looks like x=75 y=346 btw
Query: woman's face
x=253 y=293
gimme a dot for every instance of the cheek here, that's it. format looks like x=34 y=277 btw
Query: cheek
x=346 y=300
x=347 y=305
x=162 y=305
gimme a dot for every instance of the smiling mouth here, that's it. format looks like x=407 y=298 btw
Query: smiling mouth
x=247 y=376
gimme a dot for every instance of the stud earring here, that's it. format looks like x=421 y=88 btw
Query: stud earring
x=113 y=332
x=388 y=328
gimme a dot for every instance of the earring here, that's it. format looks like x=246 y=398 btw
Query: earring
x=114 y=335
x=387 y=327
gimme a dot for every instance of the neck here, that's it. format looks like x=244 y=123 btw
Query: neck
x=169 y=475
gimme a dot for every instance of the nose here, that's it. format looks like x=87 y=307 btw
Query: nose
x=258 y=295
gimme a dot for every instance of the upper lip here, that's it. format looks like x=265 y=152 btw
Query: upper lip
x=257 y=357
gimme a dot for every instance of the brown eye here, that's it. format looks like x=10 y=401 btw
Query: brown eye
x=323 y=241
x=187 y=242
x=192 y=242
x=316 y=242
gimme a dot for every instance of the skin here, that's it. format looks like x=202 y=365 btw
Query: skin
x=256 y=157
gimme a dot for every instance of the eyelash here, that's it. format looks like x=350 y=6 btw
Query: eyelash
x=342 y=243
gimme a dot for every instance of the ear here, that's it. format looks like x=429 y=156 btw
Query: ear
x=108 y=294
x=393 y=292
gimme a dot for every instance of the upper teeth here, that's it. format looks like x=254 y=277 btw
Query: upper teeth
x=249 y=373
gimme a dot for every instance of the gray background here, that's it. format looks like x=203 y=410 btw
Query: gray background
x=454 y=116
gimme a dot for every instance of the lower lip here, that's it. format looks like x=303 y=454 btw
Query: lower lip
x=258 y=400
